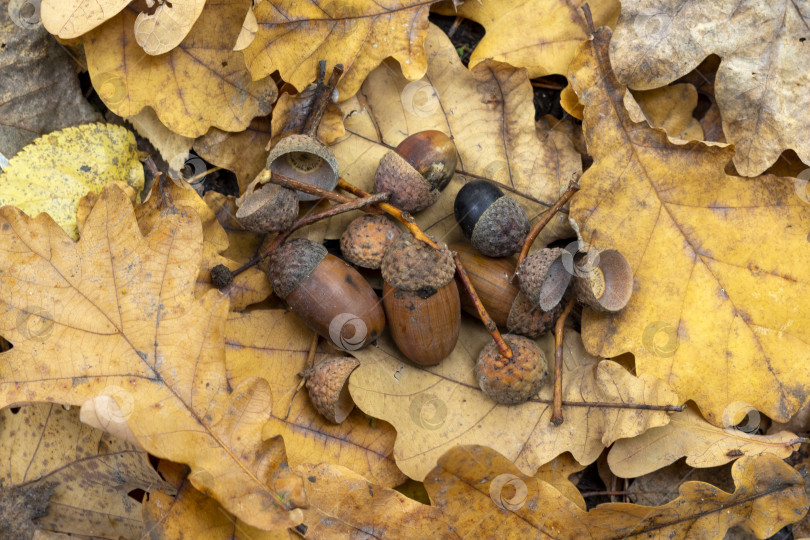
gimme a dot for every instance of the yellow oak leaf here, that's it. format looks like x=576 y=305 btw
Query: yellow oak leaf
x=760 y=82
x=115 y=314
x=436 y=408
x=56 y=170
x=484 y=495
x=199 y=84
x=163 y=29
x=669 y=108
x=719 y=262
x=293 y=36
x=72 y=18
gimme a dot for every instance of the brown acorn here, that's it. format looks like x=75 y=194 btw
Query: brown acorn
x=421 y=300
x=511 y=380
x=491 y=278
x=305 y=159
x=544 y=278
x=365 y=240
x=328 y=391
x=265 y=208
x=330 y=296
x=607 y=285
x=419 y=168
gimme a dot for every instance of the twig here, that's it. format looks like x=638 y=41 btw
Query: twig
x=556 y=407
x=323 y=93
x=313 y=347
x=573 y=187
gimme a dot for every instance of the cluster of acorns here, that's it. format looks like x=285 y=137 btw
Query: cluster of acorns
x=420 y=297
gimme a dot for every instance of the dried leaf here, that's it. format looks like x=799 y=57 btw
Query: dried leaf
x=436 y=408
x=72 y=18
x=669 y=108
x=162 y=30
x=39 y=91
x=56 y=170
x=172 y=83
x=539 y=35
x=703 y=444
x=713 y=257
x=83 y=473
x=483 y=494
x=274 y=344
x=115 y=314
x=173 y=148
x=293 y=36
x=761 y=79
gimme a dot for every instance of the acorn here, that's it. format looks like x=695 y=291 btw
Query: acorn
x=421 y=300
x=328 y=391
x=527 y=320
x=265 y=208
x=492 y=280
x=365 y=240
x=330 y=296
x=495 y=224
x=544 y=278
x=607 y=285
x=417 y=170
x=511 y=380
x=305 y=159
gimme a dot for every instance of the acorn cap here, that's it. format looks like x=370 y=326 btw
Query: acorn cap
x=501 y=229
x=305 y=159
x=544 y=278
x=511 y=380
x=527 y=320
x=291 y=263
x=365 y=240
x=409 y=189
x=607 y=286
x=412 y=265
x=432 y=154
x=265 y=208
x=328 y=391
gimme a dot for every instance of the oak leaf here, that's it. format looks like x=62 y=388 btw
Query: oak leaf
x=669 y=108
x=274 y=344
x=713 y=257
x=483 y=494
x=85 y=472
x=55 y=171
x=163 y=29
x=199 y=84
x=436 y=408
x=72 y=18
x=292 y=37
x=173 y=148
x=703 y=444
x=115 y=314
x=759 y=86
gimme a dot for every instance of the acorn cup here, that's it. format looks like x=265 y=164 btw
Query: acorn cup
x=330 y=296
x=365 y=240
x=608 y=285
x=327 y=388
x=527 y=320
x=543 y=278
x=306 y=159
x=421 y=300
x=417 y=170
x=265 y=208
x=511 y=380
x=495 y=224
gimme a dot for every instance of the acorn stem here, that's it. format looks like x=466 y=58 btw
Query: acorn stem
x=556 y=407
x=323 y=93
x=573 y=187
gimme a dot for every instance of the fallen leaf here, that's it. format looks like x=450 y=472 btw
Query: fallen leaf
x=712 y=124
x=660 y=487
x=56 y=170
x=669 y=108
x=39 y=91
x=330 y=128
x=72 y=18
x=163 y=29
x=20 y=506
x=488 y=111
x=173 y=148
x=539 y=35
x=483 y=494
x=556 y=473
x=115 y=314
x=436 y=408
x=172 y=83
x=703 y=444
x=292 y=37
x=274 y=344
x=759 y=86
x=83 y=474
x=713 y=258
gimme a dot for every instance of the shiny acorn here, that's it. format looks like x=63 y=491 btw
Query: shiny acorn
x=495 y=223
x=330 y=296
